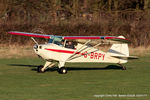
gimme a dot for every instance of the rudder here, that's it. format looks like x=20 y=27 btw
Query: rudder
x=119 y=50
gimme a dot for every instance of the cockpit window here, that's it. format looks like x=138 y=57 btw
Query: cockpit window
x=62 y=43
x=50 y=41
x=70 y=45
x=55 y=40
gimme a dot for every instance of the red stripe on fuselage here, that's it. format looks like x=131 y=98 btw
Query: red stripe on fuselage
x=85 y=55
x=61 y=51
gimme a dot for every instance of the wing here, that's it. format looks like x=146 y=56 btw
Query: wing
x=81 y=39
x=30 y=34
x=107 y=39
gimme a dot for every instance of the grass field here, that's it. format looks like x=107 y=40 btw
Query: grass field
x=20 y=81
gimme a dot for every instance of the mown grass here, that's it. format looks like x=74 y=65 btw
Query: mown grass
x=20 y=81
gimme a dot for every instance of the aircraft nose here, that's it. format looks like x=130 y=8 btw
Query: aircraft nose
x=35 y=47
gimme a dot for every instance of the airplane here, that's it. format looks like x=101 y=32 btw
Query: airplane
x=78 y=49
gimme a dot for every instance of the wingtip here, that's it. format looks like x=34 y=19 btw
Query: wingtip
x=9 y=32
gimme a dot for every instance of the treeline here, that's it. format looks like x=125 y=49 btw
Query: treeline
x=130 y=18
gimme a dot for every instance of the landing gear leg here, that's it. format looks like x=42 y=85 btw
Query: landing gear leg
x=62 y=69
x=42 y=69
x=123 y=67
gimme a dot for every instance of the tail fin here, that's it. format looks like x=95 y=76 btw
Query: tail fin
x=120 y=50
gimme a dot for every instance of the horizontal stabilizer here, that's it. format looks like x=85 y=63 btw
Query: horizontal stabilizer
x=124 y=57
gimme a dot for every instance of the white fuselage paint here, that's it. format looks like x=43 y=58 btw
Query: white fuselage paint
x=58 y=53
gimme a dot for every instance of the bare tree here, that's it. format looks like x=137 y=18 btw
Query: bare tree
x=146 y=4
x=3 y=8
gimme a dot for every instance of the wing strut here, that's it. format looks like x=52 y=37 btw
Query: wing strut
x=79 y=50
x=34 y=40
x=74 y=55
x=82 y=55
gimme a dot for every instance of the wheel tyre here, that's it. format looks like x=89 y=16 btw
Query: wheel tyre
x=39 y=69
x=123 y=68
x=62 y=70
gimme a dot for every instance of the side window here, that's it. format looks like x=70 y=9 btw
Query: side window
x=70 y=44
x=50 y=41
x=57 y=41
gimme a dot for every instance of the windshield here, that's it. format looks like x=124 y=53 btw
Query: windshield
x=62 y=43
x=56 y=40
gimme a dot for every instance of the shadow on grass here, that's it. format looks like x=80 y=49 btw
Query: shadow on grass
x=23 y=65
x=109 y=67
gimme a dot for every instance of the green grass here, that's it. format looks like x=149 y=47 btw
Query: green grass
x=20 y=81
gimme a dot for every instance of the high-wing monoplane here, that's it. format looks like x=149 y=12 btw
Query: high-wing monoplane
x=75 y=49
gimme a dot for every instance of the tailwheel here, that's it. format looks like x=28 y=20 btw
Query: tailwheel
x=62 y=70
x=123 y=67
x=39 y=69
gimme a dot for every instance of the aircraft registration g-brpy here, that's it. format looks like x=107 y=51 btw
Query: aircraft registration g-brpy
x=62 y=49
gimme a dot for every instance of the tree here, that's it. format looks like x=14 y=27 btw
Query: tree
x=146 y=4
x=3 y=8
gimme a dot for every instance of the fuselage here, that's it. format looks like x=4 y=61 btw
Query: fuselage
x=56 y=52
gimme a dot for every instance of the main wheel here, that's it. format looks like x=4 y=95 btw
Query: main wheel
x=62 y=70
x=39 y=69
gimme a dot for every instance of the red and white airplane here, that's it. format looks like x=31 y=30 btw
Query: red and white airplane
x=74 y=49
